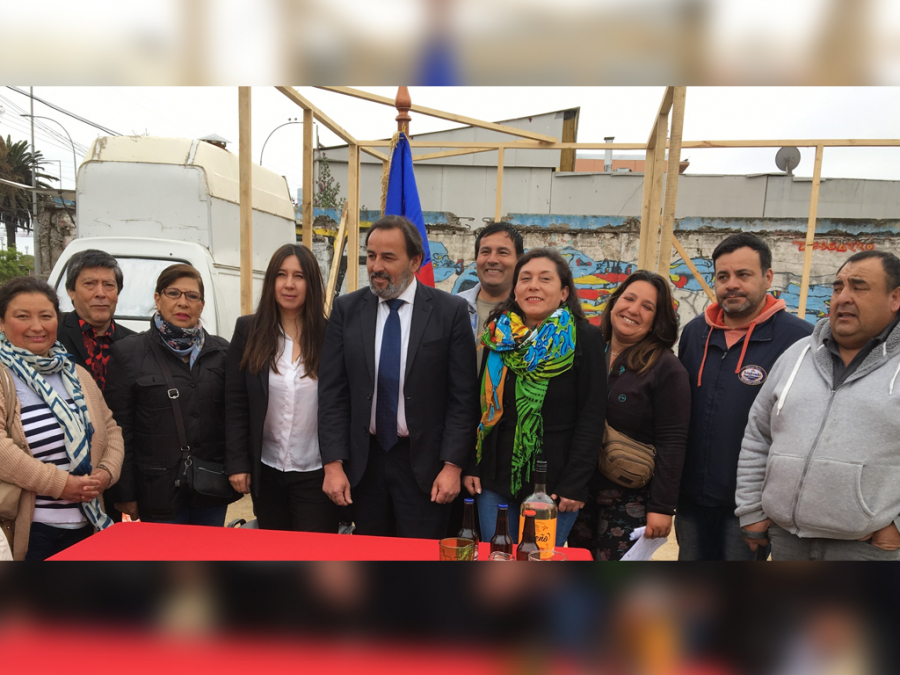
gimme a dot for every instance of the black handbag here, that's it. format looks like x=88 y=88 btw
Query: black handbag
x=200 y=475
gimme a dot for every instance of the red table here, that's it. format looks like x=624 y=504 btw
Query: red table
x=157 y=541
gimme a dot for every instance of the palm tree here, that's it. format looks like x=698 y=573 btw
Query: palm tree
x=15 y=203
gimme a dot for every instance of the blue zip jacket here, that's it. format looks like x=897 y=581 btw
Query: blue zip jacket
x=721 y=401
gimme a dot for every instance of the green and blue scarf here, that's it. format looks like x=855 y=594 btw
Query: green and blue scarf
x=535 y=356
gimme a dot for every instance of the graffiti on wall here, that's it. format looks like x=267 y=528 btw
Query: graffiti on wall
x=596 y=280
x=836 y=246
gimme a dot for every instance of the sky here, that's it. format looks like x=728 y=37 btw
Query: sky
x=711 y=113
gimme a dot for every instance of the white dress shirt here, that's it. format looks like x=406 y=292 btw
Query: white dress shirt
x=290 y=431
x=405 y=311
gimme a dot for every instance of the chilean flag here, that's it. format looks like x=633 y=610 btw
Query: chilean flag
x=403 y=200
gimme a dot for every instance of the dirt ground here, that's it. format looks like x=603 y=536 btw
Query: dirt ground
x=243 y=508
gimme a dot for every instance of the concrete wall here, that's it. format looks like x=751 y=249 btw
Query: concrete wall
x=470 y=193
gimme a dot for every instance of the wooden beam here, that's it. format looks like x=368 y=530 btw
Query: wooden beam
x=693 y=268
x=245 y=175
x=498 y=210
x=385 y=177
x=510 y=145
x=659 y=167
x=810 y=233
x=644 y=240
x=668 y=218
x=530 y=145
x=451 y=117
x=378 y=155
x=307 y=205
x=326 y=121
x=569 y=134
x=449 y=153
x=353 y=219
x=664 y=107
x=335 y=268
x=803 y=143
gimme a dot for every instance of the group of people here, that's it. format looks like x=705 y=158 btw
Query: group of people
x=407 y=399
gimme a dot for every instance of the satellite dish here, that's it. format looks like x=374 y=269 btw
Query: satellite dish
x=787 y=160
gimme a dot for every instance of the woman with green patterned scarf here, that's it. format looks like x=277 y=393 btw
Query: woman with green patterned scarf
x=543 y=396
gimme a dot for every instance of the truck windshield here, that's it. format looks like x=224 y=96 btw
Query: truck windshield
x=136 y=298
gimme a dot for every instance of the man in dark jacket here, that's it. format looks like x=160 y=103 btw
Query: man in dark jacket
x=398 y=405
x=93 y=282
x=728 y=353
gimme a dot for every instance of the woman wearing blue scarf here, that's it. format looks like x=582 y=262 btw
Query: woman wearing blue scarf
x=59 y=445
x=153 y=486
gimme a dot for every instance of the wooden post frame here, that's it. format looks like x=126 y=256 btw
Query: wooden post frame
x=353 y=218
x=498 y=209
x=656 y=188
x=245 y=166
x=307 y=205
x=810 y=233
x=672 y=172
x=693 y=268
x=335 y=268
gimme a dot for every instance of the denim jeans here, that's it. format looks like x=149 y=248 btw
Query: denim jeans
x=709 y=533
x=213 y=516
x=487 y=503
x=45 y=541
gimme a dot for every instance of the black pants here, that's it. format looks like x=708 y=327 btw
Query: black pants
x=388 y=501
x=293 y=500
x=45 y=541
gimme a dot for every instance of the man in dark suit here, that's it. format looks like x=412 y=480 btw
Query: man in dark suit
x=93 y=282
x=398 y=405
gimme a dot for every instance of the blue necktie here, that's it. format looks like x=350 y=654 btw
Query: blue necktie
x=389 y=379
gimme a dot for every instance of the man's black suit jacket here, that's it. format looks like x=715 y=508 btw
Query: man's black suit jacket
x=441 y=396
x=69 y=333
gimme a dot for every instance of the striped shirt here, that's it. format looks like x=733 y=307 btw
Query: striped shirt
x=47 y=443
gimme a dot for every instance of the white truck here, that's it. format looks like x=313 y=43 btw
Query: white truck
x=152 y=202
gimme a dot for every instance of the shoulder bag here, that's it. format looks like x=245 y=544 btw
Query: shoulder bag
x=9 y=492
x=200 y=475
x=625 y=461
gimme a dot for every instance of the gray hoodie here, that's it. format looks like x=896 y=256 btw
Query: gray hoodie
x=818 y=462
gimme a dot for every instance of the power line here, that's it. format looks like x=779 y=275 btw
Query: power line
x=40 y=124
x=65 y=112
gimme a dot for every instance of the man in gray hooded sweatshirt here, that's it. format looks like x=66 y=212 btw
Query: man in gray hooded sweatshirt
x=819 y=470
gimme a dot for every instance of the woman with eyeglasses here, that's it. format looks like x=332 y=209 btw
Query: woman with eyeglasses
x=162 y=428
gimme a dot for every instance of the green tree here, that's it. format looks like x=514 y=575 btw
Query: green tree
x=327 y=188
x=14 y=264
x=15 y=203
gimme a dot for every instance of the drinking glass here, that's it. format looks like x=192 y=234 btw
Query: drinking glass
x=550 y=555
x=457 y=548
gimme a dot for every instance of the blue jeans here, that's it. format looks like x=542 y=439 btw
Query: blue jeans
x=213 y=516
x=709 y=533
x=487 y=503
x=45 y=541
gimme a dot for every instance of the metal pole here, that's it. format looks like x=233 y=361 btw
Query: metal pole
x=71 y=142
x=35 y=225
x=261 y=152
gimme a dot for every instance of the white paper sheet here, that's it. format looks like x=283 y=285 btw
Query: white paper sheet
x=644 y=548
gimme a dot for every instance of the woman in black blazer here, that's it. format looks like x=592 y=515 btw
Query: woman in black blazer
x=573 y=406
x=271 y=398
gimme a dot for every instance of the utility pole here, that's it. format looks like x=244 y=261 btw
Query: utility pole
x=35 y=225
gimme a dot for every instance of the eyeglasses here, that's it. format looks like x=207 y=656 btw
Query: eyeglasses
x=174 y=294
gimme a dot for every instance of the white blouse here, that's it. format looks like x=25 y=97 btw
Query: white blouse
x=290 y=432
